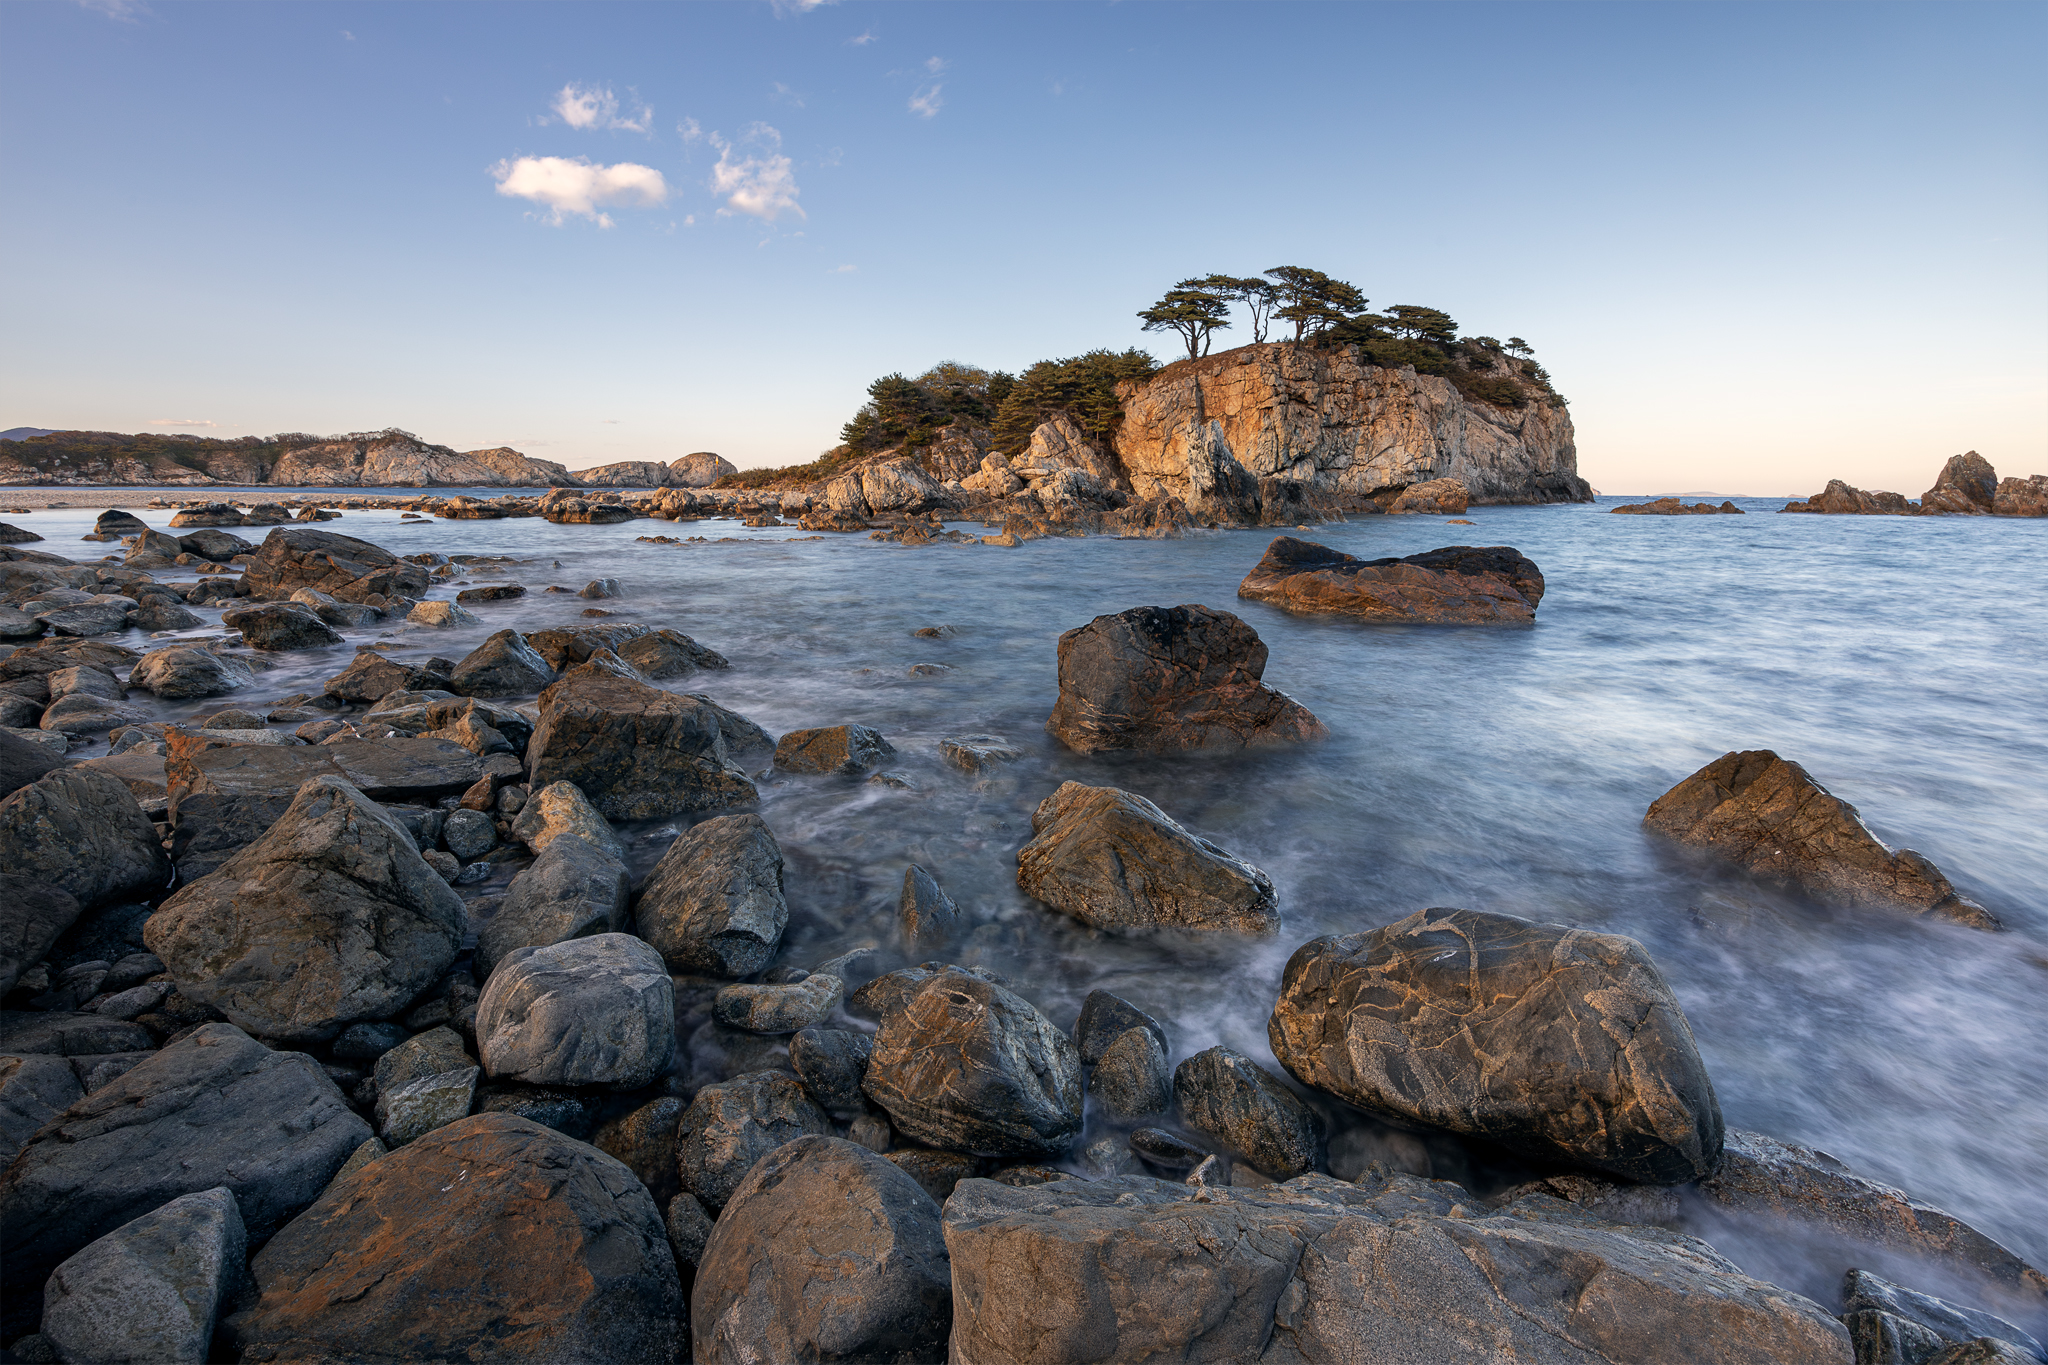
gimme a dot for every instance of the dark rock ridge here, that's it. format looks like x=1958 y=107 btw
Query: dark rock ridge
x=1966 y=486
x=1459 y=583
x=1766 y=814
x=343 y=567
x=1160 y=679
x=1673 y=507
x=1558 y=1043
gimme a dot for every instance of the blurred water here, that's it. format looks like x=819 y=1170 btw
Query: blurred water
x=1901 y=660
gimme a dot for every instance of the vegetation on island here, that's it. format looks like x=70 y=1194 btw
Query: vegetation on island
x=170 y=456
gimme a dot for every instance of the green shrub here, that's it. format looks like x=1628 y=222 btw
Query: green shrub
x=1082 y=386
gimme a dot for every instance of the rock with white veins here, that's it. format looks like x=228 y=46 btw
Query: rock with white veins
x=592 y=1011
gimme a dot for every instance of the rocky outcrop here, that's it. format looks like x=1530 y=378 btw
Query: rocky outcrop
x=1457 y=584
x=491 y=1238
x=1766 y=814
x=1840 y=498
x=1561 y=1044
x=636 y=751
x=1115 y=861
x=2026 y=497
x=1437 y=497
x=626 y=474
x=1967 y=486
x=1339 y=427
x=1161 y=679
x=343 y=567
x=699 y=469
x=826 y=1251
x=899 y=485
x=1672 y=507
x=1393 y=1268
x=398 y=459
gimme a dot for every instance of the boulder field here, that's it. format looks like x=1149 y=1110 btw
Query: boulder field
x=373 y=1030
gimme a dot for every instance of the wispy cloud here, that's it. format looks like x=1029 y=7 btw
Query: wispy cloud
x=928 y=101
x=595 y=106
x=845 y=269
x=689 y=131
x=935 y=64
x=182 y=422
x=785 y=8
x=782 y=94
x=579 y=186
x=127 y=11
x=753 y=176
x=346 y=34
x=862 y=40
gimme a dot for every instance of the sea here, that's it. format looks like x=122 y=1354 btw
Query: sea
x=1902 y=661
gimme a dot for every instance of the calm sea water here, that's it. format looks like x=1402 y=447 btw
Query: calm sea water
x=1904 y=662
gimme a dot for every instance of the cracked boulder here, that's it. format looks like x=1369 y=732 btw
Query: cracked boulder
x=714 y=902
x=82 y=832
x=592 y=1011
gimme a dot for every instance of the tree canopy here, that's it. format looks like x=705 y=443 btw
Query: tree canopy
x=1193 y=311
x=909 y=413
x=1082 y=386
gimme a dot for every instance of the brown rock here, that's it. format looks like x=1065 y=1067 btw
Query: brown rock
x=1967 y=485
x=636 y=751
x=733 y=1124
x=1672 y=507
x=1459 y=583
x=714 y=902
x=1558 y=1043
x=850 y=749
x=1768 y=815
x=2026 y=497
x=1160 y=679
x=1843 y=499
x=1440 y=497
x=327 y=561
x=491 y=1238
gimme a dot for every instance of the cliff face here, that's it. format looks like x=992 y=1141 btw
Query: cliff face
x=398 y=460
x=1321 y=418
x=394 y=459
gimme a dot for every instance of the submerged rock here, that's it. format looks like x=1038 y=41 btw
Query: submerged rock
x=1115 y=861
x=1948 y=1324
x=1459 y=583
x=824 y=1252
x=1160 y=679
x=851 y=749
x=1558 y=1043
x=714 y=902
x=1766 y=814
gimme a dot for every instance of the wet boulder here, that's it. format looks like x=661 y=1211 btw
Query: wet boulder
x=832 y=1063
x=182 y=672
x=279 y=626
x=341 y=566
x=714 y=902
x=1389 y=1269
x=502 y=666
x=1768 y=815
x=1131 y=1080
x=573 y=890
x=560 y=810
x=850 y=749
x=733 y=1124
x=83 y=833
x=1459 y=584
x=214 y=1108
x=152 y=1289
x=158 y=612
x=491 y=1238
x=824 y=1252
x=1561 y=1044
x=964 y=1064
x=100 y=616
x=1104 y=1019
x=214 y=544
x=636 y=751
x=371 y=677
x=667 y=653
x=1941 y=1324
x=81 y=714
x=1250 y=1110
x=925 y=913
x=331 y=917
x=645 y=1140
x=591 y=1011
x=780 y=1007
x=1161 y=679
x=1113 y=860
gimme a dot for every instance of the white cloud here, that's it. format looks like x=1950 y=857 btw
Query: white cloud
x=845 y=269
x=935 y=64
x=183 y=422
x=127 y=11
x=928 y=101
x=579 y=186
x=753 y=175
x=346 y=34
x=782 y=94
x=784 y=8
x=688 y=131
x=596 y=106
x=863 y=40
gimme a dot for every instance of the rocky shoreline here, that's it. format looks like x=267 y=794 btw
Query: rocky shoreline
x=265 y=1098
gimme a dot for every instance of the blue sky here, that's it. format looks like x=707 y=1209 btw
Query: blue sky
x=1756 y=245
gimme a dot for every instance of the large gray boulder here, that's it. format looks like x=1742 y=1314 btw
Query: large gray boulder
x=964 y=1064
x=714 y=902
x=560 y=809
x=636 y=751
x=571 y=891
x=1113 y=860
x=733 y=1124
x=1247 y=1108
x=152 y=1289
x=32 y=915
x=1768 y=815
x=22 y=762
x=1559 y=1043
x=182 y=672
x=492 y=1238
x=592 y=1011
x=1393 y=1268
x=332 y=916
x=1943 y=1323
x=83 y=833
x=826 y=1251
x=214 y=1108
x=502 y=666
x=280 y=626
x=33 y=1090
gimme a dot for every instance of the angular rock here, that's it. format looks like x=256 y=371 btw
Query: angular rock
x=561 y=810
x=714 y=902
x=1106 y=1018
x=645 y=1140
x=1558 y=1043
x=158 y=613
x=1241 y=1104
x=1437 y=497
x=88 y=618
x=62 y=1033
x=1162 y=1149
x=341 y=566
x=2026 y=497
x=280 y=626
x=410 y=1111
x=33 y=1090
x=214 y=1108
x=571 y=891
x=492 y=592
x=22 y=763
x=432 y=1052
x=850 y=749
x=978 y=753
x=781 y=1008
x=212 y=514
x=731 y=1125
x=636 y=751
x=689 y=1228
x=598 y=588
x=83 y=833
x=1459 y=583
x=371 y=677
x=214 y=544
x=441 y=615
x=1115 y=861
x=1844 y=499
x=669 y=653
x=966 y=1065
x=502 y=666
x=468 y=834
x=1132 y=1081
x=592 y=1011
x=367 y=1042
x=491 y=1238
x=1967 y=485
x=185 y=671
x=1950 y=1324
x=1396 y=1269
x=152 y=1289
x=832 y=1063
x=1159 y=679
x=825 y=1252
x=32 y=915
x=330 y=917
x=926 y=914
x=117 y=522
x=82 y=714
x=1766 y=814
x=92 y=680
